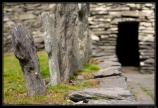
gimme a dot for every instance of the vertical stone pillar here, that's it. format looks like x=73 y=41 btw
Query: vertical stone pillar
x=66 y=40
x=25 y=52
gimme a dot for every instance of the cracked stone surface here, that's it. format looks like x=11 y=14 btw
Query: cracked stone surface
x=112 y=88
x=104 y=93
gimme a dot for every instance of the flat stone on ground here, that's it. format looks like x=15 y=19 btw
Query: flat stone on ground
x=100 y=93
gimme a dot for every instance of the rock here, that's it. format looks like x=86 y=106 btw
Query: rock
x=111 y=71
x=66 y=40
x=109 y=63
x=112 y=102
x=99 y=101
x=150 y=61
x=25 y=52
x=80 y=77
x=94 y=37
x=80 y=102
x=6 y=19
x=113 y=81
x=94 y=93
x=26 y=16
x=39 y=40
x=130 y=14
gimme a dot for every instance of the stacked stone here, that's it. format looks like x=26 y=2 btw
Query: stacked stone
x=28 y=14
x=103 y=23
x=146 y=37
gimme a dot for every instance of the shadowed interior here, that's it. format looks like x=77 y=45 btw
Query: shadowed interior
x=127 y=48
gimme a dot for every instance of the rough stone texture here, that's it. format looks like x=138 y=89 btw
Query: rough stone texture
x=92 y=93
x=128 y=101
x=113 y=81
x=66 y=41
x=28 y=14
x=25 y=52
x=107 y=72
x=115 y=95
x=111 y=89
x=103 y=23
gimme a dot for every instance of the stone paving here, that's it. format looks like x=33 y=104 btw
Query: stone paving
x=113 y=87
x=118 y=85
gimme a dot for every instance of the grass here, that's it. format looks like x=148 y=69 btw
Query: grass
x=86 y=72
x=15 y=92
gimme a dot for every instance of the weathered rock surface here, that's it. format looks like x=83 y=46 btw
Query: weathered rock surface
x=107 y=72
x=112 y=88
x=25 y=52
x=104 y=20
x=66 y=40
x=112 y=102
x=100 y=93
x=113 y=81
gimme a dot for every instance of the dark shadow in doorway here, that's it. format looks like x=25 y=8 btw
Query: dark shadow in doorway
x=127 y=48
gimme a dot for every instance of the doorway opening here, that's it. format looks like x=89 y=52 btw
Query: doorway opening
x=127 y=48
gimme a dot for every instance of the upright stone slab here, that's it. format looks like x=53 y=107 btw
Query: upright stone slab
x=25 y=51
x=66 y=40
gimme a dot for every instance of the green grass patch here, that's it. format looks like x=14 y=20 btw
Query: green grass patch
x=86 y=72
x=15 y=92
x=44 y=67
x=13 y=79
x=89 y=68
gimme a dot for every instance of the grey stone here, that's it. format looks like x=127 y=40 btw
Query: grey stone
x=80 y=77
x=113 y=81
x=112 y=102
x=26 y=16
x=151 y=61
x=99 y=93
x=130 y=14
x=39 y=40
x=66 y=40
x=110 y=71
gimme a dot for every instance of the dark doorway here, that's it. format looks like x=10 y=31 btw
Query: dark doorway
x=127 y=48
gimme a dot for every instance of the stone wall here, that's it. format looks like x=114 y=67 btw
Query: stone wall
x=29 y=15
x=103 y=22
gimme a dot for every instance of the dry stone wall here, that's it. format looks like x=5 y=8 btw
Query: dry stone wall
x=103 y=23
x=29 y=15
